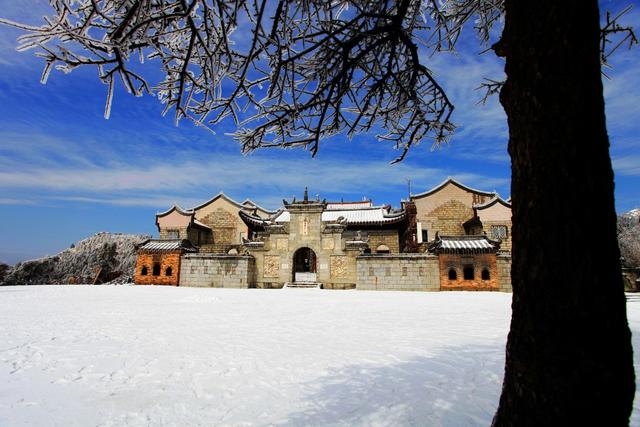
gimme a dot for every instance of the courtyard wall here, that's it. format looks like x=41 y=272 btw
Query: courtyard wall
x=398 y=272
x=218 y=271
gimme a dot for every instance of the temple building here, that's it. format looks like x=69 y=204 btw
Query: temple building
x=451 y=237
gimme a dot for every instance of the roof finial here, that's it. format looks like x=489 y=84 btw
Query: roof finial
x=306 y=194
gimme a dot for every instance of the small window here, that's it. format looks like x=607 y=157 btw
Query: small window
x=173 y=234
x=425 y=236
x=452 y=274
x=498 y=232
x=468 y=272
x=156 y=269
x=485 y=274
x=144 y=271
x=168 y=271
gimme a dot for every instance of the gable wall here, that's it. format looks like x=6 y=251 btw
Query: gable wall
x=222 y=216
x=498 y=214
x=446 y=210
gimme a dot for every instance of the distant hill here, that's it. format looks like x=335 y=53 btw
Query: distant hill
x=114 y=253
x=629 y=238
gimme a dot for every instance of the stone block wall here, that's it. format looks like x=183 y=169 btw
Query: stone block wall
x=218 y=271
x=165 y=260
x=168 y=233
x=503 y=263
x=397 y=272
x=388 y=238
x=447 y=219
x=458 y=263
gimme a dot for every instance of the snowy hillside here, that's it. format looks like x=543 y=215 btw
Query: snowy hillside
x=629 y=238
x=114 y=252
x=633 y=213
x=142 y=355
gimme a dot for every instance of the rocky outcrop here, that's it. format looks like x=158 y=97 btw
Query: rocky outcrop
x=629 y=238
x=111 y=253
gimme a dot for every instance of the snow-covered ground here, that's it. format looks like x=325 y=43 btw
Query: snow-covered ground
x=126 y=355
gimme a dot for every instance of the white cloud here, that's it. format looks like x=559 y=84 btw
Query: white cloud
x=10 y=201
x=627 y=165
x=67 y=170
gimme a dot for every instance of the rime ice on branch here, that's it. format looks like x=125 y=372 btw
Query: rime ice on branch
x=289 y=73
x=309 y=69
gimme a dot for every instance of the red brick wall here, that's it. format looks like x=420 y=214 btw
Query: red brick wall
x=458 y=262
x=171 y=259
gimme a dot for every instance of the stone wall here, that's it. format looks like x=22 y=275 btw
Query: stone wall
x=503 y=263
x=221 y=215
x=169 y=233
x=478 y=262
x=397 y=272
x=218 y=271
x=165 y=260
x=445 y=210
x=447 y=219
x=388 y=238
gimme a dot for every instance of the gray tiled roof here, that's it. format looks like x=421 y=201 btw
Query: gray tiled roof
x=371 y=215
x=464 y=244
x=167 y=246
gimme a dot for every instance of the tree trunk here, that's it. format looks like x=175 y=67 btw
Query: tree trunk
x=569 y=357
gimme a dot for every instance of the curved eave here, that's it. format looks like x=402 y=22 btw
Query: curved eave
x=496 y=199
x=200 y=225
x=175 y=208
x=250 y=204
x=252 y=221
x=443 y=184
x=386 y=221
x=218 y=196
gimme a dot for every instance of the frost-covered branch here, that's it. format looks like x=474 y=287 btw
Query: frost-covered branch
x=288 y=72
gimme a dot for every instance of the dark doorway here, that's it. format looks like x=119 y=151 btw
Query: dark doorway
x=304 y=261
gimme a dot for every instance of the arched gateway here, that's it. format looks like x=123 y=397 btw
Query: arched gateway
x=304 y=265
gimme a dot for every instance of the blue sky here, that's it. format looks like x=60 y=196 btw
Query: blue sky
x=66 y=173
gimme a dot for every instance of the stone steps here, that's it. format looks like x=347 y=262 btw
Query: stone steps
x=303 y=285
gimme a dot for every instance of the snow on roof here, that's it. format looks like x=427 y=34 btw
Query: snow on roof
x=464 y=244
x=349 y=205
x=451 y=180
x=167 y=245
x=363 y=216
x=370 y=215
x=283 y=216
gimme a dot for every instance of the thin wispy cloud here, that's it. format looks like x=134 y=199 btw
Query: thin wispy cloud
x=628 y=166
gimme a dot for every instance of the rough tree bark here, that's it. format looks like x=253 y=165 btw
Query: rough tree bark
x=569 y=356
